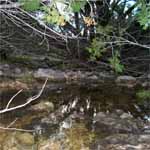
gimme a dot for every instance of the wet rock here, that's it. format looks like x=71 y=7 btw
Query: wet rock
x=17 y=85
x=18 y=141
x=119 y=112
x=17 y=71
x=126 y=116
x=1 y=73
x=123 y=142
x=25 y=138
x=49 y=73
x=144 y=138
x=114 y=123
x=127 y=81
x=145 y=84
x=49 y=145
x=93 y=77
x=146 y=128
x=43 y=106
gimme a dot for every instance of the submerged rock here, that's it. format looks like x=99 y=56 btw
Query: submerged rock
x=117 y=123
x=25 y=138
x=123 y=142
x=43 y=106
x=18 y=141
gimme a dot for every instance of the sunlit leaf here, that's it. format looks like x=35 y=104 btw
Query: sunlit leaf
x=30 y=5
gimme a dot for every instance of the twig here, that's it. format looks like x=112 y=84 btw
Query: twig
x=16 y=129
x=28 y=101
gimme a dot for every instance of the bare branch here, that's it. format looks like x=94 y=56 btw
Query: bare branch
x=16 y=129
x=28 y=101
x=10 y=6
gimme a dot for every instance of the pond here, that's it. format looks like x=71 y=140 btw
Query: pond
x=73 y=117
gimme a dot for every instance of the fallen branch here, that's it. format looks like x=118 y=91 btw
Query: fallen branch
x=28 y=101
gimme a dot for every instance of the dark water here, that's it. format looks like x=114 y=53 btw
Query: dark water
x=81 y=101
x=86 y=98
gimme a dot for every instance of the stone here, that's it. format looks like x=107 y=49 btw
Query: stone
x=49 y=145
x=25 y=138
x=128 y=81
x=119 y=112
x=113 y=123
x=49 y=73
x=126 y=115
x=121 y=142
x=43 y=106
x=17 y=70
x=43 y=73
x=144 y=138
x=1 y=73
x=93 y=77
x=145 y=84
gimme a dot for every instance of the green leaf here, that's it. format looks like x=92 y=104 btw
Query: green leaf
x=76 y=5
x=115 y=63
x=30 y=5
x=143 y=16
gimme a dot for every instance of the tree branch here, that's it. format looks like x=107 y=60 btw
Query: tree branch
x=28 y=101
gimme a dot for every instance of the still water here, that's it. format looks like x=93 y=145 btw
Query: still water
x=69 y=110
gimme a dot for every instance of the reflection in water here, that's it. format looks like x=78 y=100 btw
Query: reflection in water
x=73 y=106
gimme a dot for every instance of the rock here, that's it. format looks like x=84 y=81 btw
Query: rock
x=126 y=116
x=43 y=106
x=93 y=77
x=1 y=73
x=17 y=85
x=146 y=128
x=49 y=145
x=144 y=138
x=49 y=73
x=145 y=84
x=114 y=123
x=119 y=112
x=127 y=81
x=25 y=138
x=17 y=71
x=18 y=141
x=122 y=142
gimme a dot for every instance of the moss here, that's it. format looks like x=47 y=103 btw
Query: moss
x=21 y=59
x=27 y=78
x=143 y=94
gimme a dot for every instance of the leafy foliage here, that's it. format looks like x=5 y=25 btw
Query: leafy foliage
x=115 y=63
x=30 y=5
x=52 y=16
x=76 y=5
x=98 y=45
x=143 y=94
x=143 y=16
x=96 y=49
x=105 y=30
